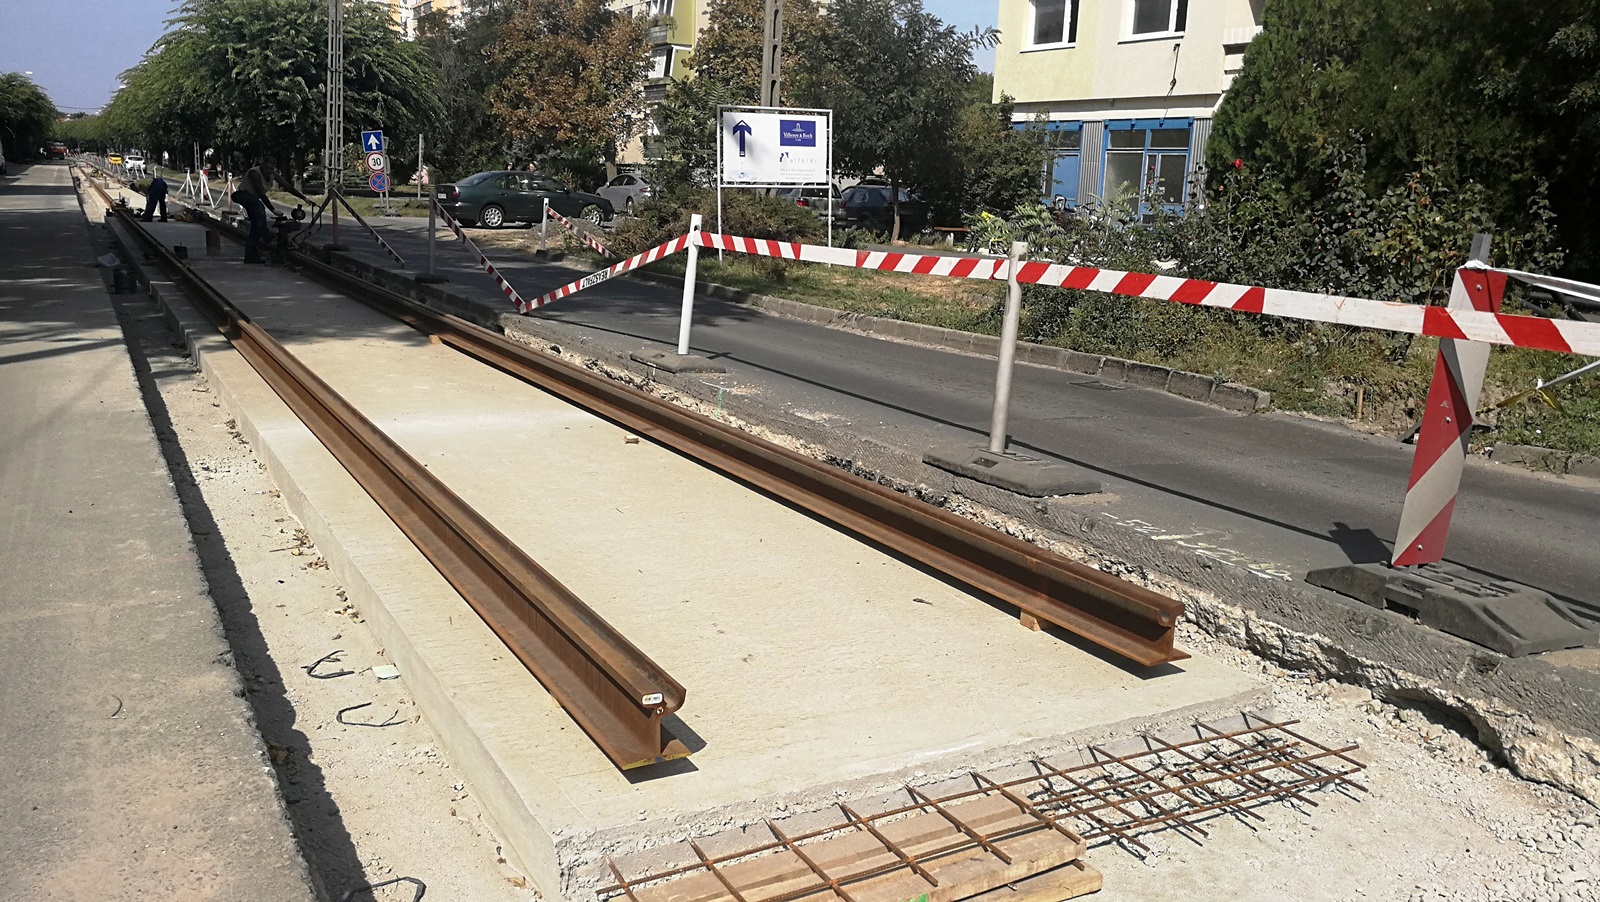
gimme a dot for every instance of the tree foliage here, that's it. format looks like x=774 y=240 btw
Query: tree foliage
x=1497 y=93
x=26 y=116
x=467 y=137
x=894 y=74
x=250 y=75
x=572 y=76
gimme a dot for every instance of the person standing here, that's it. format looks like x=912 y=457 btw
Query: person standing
x=252 y=195
x=155 y=196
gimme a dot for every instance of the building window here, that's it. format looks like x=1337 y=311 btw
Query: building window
x=1153 y=18
x=1055 y=23
x=1065 y=141
x=660 y=62
x=1150 y=159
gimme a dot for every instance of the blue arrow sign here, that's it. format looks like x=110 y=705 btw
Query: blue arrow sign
x=371 y=141
x=743 y=130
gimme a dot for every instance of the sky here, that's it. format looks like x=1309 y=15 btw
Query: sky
x=77 y=48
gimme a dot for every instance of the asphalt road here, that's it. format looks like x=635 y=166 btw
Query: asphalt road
x=134 y=770
x=1293 y=493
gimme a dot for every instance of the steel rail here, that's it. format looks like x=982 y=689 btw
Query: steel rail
x=1117 y=615
x=605 y=683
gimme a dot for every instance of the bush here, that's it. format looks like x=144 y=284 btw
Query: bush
x=744 y=213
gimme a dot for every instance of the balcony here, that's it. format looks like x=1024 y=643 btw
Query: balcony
x=655 y=89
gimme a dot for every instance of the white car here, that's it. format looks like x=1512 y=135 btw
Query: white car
x=133 y=163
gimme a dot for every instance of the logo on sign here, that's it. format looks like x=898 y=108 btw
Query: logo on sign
x=797 y=133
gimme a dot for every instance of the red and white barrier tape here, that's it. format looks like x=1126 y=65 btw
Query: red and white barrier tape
x=1567 y=336
x=594 y=243
x=483 y=261
x=674 y=246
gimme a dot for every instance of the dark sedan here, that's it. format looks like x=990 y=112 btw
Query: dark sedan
x=868 y=206
x=492 y=199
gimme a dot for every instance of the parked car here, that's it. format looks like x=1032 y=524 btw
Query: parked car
x=492 y=199
x=57 y=150
x=623 y=190
x=868 y=206
x=814 y=199
x=133 y=163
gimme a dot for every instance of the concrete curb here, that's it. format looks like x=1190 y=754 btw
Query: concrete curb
x=1549 y=460
x=1525 y=709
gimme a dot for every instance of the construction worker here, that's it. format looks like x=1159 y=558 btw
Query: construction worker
x=253 y=197
x=155 y=196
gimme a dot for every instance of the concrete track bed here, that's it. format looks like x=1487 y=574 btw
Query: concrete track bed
x=816 y=667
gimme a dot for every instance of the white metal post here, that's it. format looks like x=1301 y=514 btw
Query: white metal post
x=999 y=424
x=544 y=224
x=433 y=227
x=419 y=170
x=689 y=274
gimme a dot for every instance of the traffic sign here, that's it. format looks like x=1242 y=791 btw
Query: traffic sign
x=379 y=182
x=371 y=141
x=377 y=162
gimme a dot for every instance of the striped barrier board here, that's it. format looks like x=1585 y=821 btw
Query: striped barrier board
x=1566 y=336
x=593 y=243
x=483 y=261
x=676 y=245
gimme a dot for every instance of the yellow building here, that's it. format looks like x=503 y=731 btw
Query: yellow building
x=405 y=13
x=674 y=26
x=1128 y=87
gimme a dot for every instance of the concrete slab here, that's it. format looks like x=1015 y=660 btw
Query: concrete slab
x=676 y=363
x=815 y=665
x=1012 y=471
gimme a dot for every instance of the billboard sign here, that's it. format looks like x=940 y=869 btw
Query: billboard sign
x=774 y=148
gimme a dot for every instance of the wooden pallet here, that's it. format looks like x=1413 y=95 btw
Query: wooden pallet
x=860 y=866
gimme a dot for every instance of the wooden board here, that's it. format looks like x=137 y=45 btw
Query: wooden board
x=961 y=874
x=1066 y=882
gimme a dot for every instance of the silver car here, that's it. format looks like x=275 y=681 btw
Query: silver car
x=624 y=190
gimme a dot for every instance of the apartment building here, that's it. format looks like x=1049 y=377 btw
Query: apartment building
x=405 y=13
x=1127 y=87
x=674 y=26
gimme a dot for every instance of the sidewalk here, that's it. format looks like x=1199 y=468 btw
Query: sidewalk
x=134 y=767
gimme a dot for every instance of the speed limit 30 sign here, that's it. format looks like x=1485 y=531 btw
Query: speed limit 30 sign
x=377 y=162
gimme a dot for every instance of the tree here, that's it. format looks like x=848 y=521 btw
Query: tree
x=467 y=137
x=250 y=75
x=894 y=74
x=1000 y=166
x=26 y=115
x=572 y=77
x=1499 y=93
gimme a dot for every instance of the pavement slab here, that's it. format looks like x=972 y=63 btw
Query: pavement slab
x=134 y=769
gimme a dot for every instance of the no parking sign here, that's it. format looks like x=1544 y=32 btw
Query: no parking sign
x=379 y=182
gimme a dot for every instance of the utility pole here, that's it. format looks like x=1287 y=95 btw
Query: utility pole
x=333 y=146
x=772 y=54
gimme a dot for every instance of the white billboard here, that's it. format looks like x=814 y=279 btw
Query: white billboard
x=774 y=148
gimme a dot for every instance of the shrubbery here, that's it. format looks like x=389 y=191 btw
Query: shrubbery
x=744 y=213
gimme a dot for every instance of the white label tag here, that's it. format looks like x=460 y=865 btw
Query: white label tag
x=653 y=698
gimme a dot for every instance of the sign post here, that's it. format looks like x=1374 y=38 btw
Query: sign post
x=772 y=147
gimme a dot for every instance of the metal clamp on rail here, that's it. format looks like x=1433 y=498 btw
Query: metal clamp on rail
x=607 y=685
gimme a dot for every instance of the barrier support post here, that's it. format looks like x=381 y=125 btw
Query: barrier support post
x=432 y=275
x=991 y=464
x=544 y=225
x=1000 y=419
x=690 y=271
x=1441 y=453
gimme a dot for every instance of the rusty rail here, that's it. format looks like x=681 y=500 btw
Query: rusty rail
x=608 y=686
x=1117 y=615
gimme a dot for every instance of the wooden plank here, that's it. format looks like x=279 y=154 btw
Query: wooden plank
x=960 y=874
x=1066 y=882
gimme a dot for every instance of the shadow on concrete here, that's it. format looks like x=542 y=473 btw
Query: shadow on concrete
x=319 y=829
x=1361 y=546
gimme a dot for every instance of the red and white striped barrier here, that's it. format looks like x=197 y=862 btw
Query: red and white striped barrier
x=593 y=243
x=658 y=252
x=483 y=261
x=1566 y=336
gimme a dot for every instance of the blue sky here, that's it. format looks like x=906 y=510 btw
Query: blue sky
x=76 y=49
